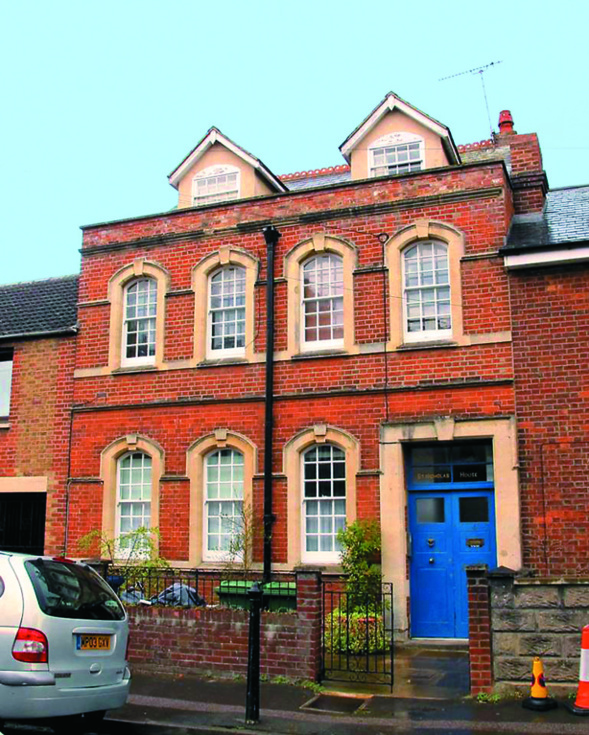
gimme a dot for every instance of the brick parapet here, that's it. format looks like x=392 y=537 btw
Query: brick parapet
x=215 y=639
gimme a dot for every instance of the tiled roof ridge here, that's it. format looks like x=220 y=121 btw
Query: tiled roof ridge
x=40 y=280
x=313 y=173
x=344 y=167
x=465 y=147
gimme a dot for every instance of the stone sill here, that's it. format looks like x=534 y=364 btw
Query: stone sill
x=4 y=424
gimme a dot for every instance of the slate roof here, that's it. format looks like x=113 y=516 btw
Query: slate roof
x=564 y=221
x=312 y=182
x=38 y=307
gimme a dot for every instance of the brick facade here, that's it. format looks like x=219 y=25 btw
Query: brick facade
x=34 y=443
x=550 y=313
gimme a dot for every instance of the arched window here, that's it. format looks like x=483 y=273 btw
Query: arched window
x=133 y=501
x=226 y=323
x=426 y=291
x=139 y=322
x=224 y=496
x=324 y=501
x=323 y=301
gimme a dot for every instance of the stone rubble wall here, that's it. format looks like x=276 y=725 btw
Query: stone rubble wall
x=537 y=617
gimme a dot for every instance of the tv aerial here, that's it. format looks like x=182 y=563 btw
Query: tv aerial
x=480 y=70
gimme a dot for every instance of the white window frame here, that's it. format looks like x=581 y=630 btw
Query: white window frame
x=426 y=334
x=322 y=344
x=222 y=352
x=145 y=499
x=144 y=359
x=211 y=178
x=236 y=497
x=319 y=556
x=6 y=362
x=394 y=143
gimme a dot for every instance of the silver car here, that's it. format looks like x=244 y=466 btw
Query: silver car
x=63 y=641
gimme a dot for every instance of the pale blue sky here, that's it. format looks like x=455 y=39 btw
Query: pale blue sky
x=100 y=101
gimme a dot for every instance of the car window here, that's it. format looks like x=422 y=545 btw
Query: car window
x=67 y=590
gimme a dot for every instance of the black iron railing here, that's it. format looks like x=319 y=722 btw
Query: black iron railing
x=357 y=635
x=198 y=588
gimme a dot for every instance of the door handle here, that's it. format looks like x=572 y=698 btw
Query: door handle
x=431 y=560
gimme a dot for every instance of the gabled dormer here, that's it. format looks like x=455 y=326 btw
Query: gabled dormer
x=218 y=170
x=397 y=138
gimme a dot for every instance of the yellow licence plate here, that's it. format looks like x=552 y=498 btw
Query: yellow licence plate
x=93 y=643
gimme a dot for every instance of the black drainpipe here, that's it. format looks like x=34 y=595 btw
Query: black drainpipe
x=271 y=235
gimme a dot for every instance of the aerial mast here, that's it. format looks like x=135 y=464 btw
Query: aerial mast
x=480 y=70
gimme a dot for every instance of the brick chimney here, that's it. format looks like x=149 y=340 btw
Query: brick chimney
x=506 y=123
x=527 y=174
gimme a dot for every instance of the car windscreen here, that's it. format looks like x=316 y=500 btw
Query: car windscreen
x=66 y=590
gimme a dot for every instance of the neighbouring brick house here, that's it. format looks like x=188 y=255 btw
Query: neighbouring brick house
x=541 y=609
x=396 y=395
x=37 y=349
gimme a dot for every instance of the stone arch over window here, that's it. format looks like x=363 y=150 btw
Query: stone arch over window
x=294 y=454
x=129 y=445
x=196 y=470
x=228 y=260
x=409 y=245
x=319 y=246
x=146 y=272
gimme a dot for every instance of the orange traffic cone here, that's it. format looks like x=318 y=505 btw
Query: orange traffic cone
x=539 y=699
x=581 y=706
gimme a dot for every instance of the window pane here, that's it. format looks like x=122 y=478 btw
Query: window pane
x=474 y=510
x=224 y=482
x=430 y=510
x=323 y=295
x=227 y=308
x=324 y=516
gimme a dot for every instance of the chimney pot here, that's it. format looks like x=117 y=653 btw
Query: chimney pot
x=505 y=123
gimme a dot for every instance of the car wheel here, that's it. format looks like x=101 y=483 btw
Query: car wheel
x=93 y=719
x=69 y=725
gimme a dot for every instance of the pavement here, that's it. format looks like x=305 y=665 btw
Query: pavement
x=201 y=705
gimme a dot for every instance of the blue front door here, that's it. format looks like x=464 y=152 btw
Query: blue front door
x=451 y=525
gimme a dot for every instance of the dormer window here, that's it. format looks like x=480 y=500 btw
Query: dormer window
x=215 y=184
x=398 y=153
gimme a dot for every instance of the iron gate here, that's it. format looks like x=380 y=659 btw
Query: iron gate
x=357 y=635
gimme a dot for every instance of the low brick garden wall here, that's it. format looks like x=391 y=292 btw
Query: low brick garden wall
x=514 y=618
x=215 y=639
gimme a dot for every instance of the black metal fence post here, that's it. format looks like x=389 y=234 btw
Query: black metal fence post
x=252 y=702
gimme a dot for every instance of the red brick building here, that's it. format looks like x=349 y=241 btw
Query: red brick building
x=546 y=258
x=394 y=393
x=37 y=351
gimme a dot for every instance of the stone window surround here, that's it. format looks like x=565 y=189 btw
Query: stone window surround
x=293 y=463
x=318 y=244
x=454 y=241
x=108 y=474
x=195 y=470
x=139 y=268
x=393 y=494
x=201 y=273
